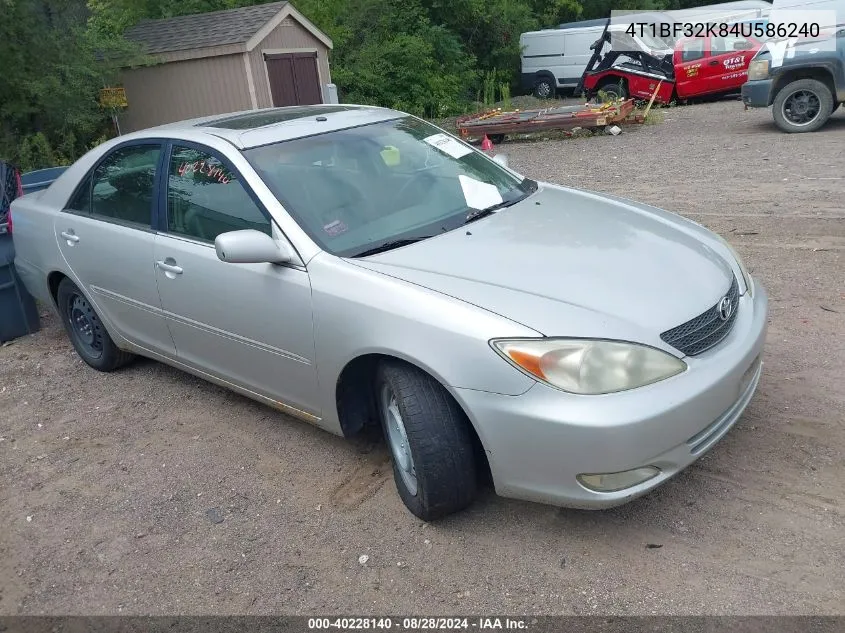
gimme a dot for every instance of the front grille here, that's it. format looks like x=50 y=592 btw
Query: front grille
x=706 y=330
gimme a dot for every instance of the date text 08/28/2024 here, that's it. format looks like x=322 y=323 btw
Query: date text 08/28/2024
x=416 y=623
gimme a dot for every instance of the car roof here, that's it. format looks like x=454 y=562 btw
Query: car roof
x=253 y=128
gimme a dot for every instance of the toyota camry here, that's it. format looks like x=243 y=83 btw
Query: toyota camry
x=354 y=265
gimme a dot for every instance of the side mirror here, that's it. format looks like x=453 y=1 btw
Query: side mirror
x=502 y=159
x=250 y=247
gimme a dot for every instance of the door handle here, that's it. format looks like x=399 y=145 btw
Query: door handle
x=169 y=268
x=714 y=62
x=70 y=236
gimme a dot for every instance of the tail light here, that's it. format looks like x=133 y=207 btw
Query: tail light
x=9 y=212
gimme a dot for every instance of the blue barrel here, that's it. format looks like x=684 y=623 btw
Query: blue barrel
x=18 y=312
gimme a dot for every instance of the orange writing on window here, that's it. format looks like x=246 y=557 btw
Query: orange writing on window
x=202 y=167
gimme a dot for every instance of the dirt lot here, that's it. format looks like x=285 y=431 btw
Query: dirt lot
x=108 y=480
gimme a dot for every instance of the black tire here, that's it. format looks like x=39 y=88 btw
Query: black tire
x=439 y=439
x=86 y=331
x=614 y=90
x=544 y=88
x=496 y=139
x=802 y=106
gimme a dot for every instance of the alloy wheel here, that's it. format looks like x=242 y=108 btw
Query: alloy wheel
x=802 y=107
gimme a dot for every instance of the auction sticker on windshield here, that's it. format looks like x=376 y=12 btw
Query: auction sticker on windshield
x=448 y=145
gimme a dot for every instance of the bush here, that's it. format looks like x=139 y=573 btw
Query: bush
x=33 y=152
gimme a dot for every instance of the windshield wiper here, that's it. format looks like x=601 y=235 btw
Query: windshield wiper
x=477 y=214
x=528 y=187
x=390 y=245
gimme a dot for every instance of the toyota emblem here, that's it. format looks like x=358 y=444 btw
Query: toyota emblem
x=726 y=308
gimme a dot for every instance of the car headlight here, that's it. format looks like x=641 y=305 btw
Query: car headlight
x=758 y=69
x=746 y=277
x=589 y=367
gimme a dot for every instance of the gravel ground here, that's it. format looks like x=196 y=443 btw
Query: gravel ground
x=150 y=491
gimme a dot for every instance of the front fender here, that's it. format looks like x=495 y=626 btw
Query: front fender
x=358 y=311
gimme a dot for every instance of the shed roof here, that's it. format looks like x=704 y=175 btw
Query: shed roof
x=216 y=32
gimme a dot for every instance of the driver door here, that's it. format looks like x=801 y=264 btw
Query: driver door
x=690 y=66
x=247 y=324
x=732 y=55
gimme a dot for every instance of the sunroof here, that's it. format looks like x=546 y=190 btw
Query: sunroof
x=252 y=120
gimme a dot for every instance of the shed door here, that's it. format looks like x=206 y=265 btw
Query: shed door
x=294 y=79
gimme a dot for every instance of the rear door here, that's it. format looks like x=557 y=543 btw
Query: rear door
x=248 y=324
x=105 y=236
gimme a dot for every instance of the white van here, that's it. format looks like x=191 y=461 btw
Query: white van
x=556 y=58
x=785 y=11
x=723 y=12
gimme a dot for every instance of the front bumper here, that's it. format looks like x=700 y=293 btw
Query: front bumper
x=538 y=442
x=758 y=94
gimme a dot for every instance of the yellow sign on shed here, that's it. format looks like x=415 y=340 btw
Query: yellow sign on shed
x=113 y=98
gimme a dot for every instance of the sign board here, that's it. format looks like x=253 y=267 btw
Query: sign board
x=113 y=98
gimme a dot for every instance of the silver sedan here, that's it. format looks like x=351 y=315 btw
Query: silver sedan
x=356 y=265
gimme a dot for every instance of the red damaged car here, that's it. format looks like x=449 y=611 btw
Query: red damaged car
x=699 y=66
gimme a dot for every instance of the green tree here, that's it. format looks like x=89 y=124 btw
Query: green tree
x=53 y=69
x=390 y=53
x=601 y=8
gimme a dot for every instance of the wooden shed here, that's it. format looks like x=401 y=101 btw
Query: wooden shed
x=225 y=61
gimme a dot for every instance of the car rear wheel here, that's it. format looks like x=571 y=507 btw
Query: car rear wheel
x=614 y=91
x=85 y=329
x=802 y=106
x=429 y=439
x=544 y=88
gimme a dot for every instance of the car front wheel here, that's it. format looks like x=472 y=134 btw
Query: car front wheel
x=86 y=331
x=429 y=439
x=802 y=106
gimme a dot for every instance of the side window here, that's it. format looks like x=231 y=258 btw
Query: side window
x=205 y=199
x=692 y=49
x=81 y=201
x=123 y=185
x=730 y=44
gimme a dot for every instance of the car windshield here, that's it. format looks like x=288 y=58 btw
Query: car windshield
x=383 y=185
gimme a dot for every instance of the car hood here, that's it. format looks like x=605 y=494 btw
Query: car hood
x=574 y=263
x=789 y=51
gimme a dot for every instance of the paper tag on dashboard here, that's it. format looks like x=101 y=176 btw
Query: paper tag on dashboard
x=479 y=195
x=448 y=145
